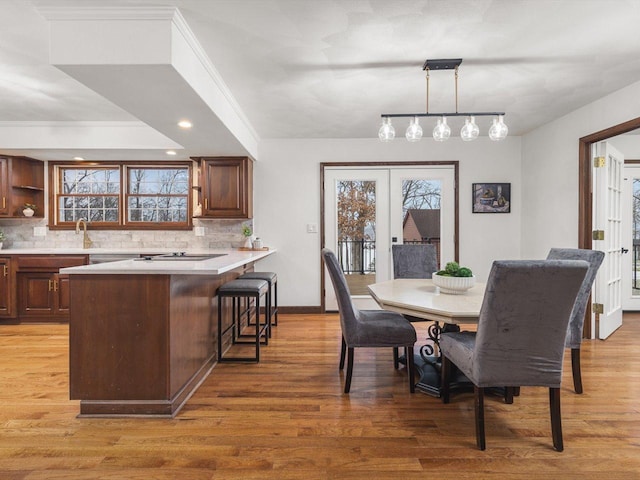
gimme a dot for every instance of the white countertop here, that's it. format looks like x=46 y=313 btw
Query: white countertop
x=231 y=259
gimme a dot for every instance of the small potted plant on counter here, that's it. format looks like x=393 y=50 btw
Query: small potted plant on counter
x=29 y=209
x=454 y=279
x=247 y=232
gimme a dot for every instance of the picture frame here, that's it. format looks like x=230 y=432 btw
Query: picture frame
x=491 y=197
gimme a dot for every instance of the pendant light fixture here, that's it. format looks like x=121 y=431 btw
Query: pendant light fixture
x=442 y=131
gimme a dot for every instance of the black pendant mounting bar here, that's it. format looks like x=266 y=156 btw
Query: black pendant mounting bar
x=455 y=114
x=442 y=64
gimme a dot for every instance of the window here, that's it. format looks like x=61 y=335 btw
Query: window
x=126 y=195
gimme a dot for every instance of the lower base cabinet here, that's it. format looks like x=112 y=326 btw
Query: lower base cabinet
x=6 y=288
x=42 y=292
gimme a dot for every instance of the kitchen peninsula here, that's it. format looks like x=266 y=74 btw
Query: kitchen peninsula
x=143 y=332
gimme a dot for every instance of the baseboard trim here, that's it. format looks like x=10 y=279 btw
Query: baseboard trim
x=300 y=310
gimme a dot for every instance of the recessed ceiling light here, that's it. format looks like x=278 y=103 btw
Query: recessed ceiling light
x=185 y=124
x=78 y=158
x=170 y=152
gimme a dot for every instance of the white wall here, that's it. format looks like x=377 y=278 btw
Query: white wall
x=287 y=198
x=550 y=170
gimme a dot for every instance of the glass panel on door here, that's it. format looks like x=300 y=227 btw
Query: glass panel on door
x=356 y=252
x=421 y=211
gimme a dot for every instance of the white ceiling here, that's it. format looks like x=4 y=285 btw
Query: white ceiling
x=329 y=68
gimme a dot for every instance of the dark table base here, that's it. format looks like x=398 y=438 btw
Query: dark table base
x=428 y=368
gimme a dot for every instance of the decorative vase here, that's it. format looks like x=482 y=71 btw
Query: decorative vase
x=453 y=285
x=247 y=242
x=28 y=212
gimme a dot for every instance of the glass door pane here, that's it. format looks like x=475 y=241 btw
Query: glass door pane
x=357 y=233
x=421 y=211
x=356 y=228
x=422 y=206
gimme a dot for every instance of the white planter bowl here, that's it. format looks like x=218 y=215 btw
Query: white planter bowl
x=453 y=285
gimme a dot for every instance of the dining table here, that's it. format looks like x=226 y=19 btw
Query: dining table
x=421 y=300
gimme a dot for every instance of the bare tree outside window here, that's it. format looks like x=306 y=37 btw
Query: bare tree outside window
x=127 y=193
x=420 y=194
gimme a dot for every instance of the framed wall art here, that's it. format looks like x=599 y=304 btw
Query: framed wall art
x=491 y=197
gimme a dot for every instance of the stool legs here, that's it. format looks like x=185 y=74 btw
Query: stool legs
x=235 y=326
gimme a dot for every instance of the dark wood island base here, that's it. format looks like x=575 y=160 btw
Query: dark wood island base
x=140 y=345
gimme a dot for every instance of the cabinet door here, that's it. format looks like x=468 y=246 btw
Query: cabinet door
x=36 y=294
x=4 y=188
x=6 y=286
x=61 y=292
x=227 y=187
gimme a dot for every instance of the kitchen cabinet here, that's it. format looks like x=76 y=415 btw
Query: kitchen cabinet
x=21 y=181
x=226 y=187
x=6 y=287
x=43 y=293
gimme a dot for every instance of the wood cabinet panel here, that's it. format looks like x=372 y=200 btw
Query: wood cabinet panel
x=35 y=294
x=43 y=294
x=4 y=187
x=226 y=187
x=6 y=287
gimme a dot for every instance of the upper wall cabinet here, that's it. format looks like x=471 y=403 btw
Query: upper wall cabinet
x=21 y=181
x=226 y=185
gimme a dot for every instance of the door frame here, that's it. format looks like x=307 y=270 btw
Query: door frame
x=324 y=165
x=585 y=189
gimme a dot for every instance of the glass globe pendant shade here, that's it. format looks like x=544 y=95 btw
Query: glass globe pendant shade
x=414 y=131
x=470 y=130
x=498 y=130
x=386 y=132
x=441 y=131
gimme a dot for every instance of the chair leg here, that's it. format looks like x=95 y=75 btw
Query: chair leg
x=347 y=381
x=479 y=407
x=445 y=379
x=575 y=368
x=343 y=351
x=408 y=352
x=508 y=394
x=396 y=362
x=556 y=420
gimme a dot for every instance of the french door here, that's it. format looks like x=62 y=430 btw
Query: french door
x=631 y=237
x=368 y=209
x=608 y=220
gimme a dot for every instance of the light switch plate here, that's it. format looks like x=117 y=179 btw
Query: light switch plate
x=312 y=228
x=199 y=231
x=39 y=231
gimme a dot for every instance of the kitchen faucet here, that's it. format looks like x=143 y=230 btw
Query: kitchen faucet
x=86 y=241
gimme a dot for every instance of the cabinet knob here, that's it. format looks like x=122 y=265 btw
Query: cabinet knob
x=6 y=270
x=50 y=285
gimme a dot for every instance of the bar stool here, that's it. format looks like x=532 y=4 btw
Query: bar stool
x=272 y=298
x=237 y=290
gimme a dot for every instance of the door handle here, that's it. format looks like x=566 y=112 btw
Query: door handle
x=625 y=250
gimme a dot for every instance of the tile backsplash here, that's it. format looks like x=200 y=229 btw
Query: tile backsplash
x=221 y=233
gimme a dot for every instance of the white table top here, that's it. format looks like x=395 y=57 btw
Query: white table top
x=230 y=260
x=420 y=298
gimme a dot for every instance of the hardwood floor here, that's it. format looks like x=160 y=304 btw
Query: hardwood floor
x=286 y=418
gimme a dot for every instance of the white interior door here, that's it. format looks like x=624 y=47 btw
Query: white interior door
x=361 y=247
x=608 y=218
x=631 y=238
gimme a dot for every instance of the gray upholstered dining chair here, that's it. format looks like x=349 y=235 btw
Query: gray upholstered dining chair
x=414 y=260
x=367 y=328
x=576 y=322
x=520 y=336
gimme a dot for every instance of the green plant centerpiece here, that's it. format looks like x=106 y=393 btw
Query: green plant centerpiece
x=2 y=236
x=454 y=279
